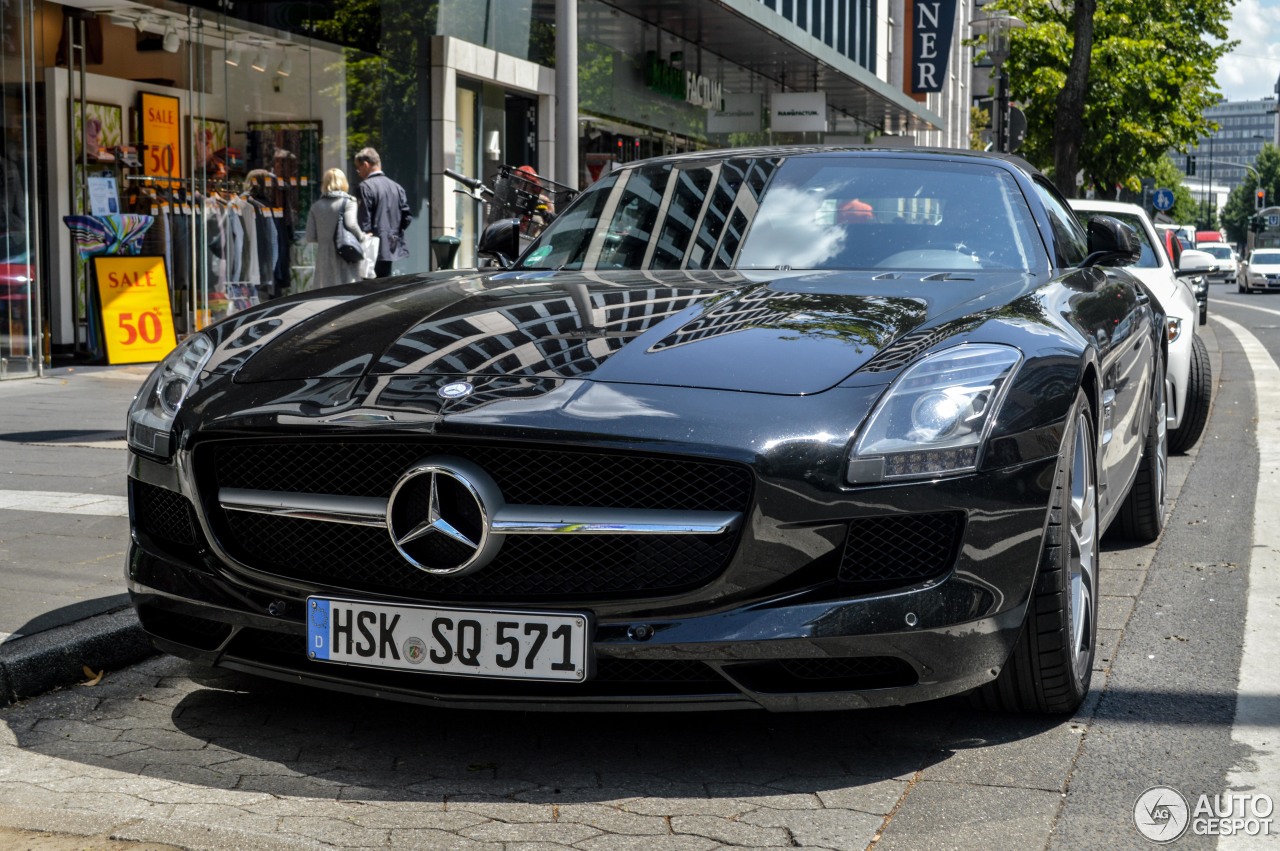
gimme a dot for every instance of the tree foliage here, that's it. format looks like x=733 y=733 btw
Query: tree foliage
x=1151 y=77
x=1240 y=203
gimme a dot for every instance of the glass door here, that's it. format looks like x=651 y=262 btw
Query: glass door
x=20 y=320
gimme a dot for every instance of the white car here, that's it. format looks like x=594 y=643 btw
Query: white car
x=1224 y=257
x=1188 y=373
x=1262 y=271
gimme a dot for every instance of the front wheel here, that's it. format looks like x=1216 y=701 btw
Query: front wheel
x=1141 y=516
x=1195 y=414
x=1049 y=670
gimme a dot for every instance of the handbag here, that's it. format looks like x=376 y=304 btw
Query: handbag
x=349 y=248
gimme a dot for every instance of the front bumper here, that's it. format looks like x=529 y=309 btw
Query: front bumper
x=1265 y=283
x=780 y=654
x=810 y=645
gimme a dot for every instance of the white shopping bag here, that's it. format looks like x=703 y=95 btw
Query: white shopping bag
x=370 y=246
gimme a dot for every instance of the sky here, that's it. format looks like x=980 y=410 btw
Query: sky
x=1250 y=71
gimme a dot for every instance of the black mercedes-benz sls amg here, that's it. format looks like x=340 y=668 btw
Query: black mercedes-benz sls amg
x=790 y=428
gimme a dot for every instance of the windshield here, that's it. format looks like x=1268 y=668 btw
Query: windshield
x=1148 y=259
x=1222 y=252
x=809 y=212
x=1269 y=258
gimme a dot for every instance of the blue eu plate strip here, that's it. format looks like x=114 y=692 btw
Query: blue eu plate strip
x=318 y=628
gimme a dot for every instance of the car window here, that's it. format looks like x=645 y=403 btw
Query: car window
x=1219 y=251
x=811 y=212
x=1265 y=257
x=1148 y=258
x=1070 y=236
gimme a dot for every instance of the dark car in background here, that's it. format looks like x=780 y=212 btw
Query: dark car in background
x=777 y=428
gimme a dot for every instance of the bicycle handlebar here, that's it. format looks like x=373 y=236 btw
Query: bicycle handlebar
x=470 y=182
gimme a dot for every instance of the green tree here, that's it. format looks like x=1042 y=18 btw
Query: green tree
x=979 y=120
x=1240 y=206
x=1145 y=86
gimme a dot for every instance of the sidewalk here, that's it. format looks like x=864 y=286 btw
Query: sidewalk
x=64 y=528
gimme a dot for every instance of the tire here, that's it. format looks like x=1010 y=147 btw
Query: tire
x=1199 y=393
x=1141 y=516
x=1052 y=661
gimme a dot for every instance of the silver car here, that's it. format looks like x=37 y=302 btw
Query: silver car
x=1188 y=371
x=1262 y=272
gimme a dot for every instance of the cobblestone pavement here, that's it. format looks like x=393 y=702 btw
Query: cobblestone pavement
x=166 y=752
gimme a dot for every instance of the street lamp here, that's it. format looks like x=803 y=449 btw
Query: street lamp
x=997 y=26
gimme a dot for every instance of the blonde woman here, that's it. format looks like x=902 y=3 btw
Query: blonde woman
x=333 y=205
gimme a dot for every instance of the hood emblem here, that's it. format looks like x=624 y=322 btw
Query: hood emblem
x=440 y=514
x=455 y=390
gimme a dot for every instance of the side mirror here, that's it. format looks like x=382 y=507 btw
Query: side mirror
x=1195 y=263
x=501 y=240
x=1111 y=243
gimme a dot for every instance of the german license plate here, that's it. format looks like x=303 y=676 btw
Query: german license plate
x=502 y=644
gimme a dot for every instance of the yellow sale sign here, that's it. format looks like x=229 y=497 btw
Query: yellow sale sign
x=136 y=315
x=160 y=135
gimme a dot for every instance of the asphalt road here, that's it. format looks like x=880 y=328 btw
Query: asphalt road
x=163 y=752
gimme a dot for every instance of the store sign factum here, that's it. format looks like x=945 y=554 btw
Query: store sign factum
x=741 y=114
x=932 y=25
x=665 y=78
x=798 y=112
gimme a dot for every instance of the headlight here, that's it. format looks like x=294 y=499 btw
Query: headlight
x=935 y=417
x=151 y=416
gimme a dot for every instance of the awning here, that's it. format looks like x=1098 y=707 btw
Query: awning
x=749 y=34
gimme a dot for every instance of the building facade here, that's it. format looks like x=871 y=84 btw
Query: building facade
x=196 y=134
x=1221 y=160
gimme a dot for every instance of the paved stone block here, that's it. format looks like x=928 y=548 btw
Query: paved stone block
x=419 y=839
x=564 y=834
x=613 y=842
x=949 y=816
x=700 y=806
x=611 y=819
x=1113 y=612
x=822 y=828
x=730 y=832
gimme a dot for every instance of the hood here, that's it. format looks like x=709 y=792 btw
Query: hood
x=785 y=333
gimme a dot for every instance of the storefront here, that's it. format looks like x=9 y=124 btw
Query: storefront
x=198 y=134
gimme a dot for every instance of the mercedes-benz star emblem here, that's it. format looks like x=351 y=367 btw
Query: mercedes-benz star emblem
x=455 y=390
x=439 y=516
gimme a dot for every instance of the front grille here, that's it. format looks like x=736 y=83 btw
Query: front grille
x=164 y=515
x=528 y=567
x=526 y=476
x=900 y=549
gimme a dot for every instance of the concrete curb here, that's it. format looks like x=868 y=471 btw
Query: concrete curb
x=32 y=665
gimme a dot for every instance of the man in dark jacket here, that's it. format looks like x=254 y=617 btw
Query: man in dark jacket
x=384 y=210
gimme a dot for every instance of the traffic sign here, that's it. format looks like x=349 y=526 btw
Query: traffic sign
x=1162 y=199
x=1273 y=220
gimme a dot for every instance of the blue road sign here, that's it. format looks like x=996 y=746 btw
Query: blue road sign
x=1273 y=220
x=1162 y=199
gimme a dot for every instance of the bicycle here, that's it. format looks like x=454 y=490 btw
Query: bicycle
x=517 y=198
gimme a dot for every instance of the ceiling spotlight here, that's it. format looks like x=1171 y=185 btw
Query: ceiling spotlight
x=259 y=62
x=233 y=55
x=285 y=68
x=171 y=41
